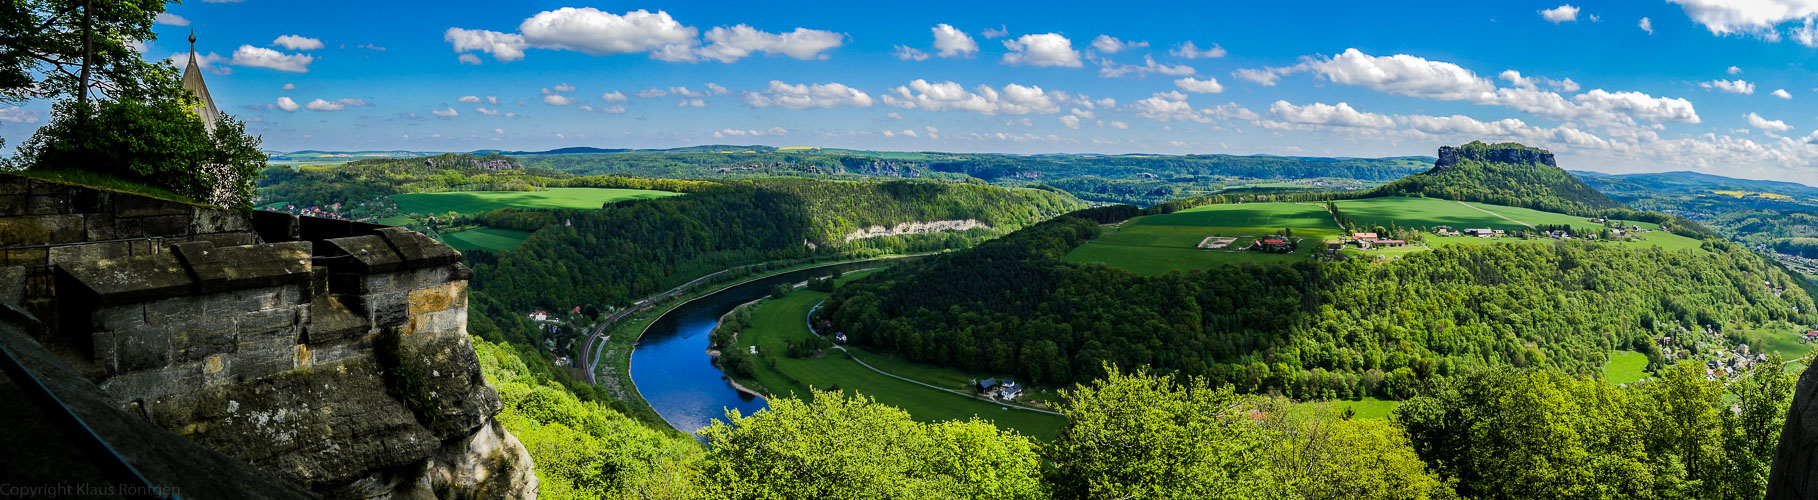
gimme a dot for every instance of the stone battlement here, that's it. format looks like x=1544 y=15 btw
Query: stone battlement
x=290 y=343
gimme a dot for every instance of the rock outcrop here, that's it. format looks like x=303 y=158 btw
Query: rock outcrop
x=914 y=228
x=1795 y=471
x=1449 y=156
x=329 y=354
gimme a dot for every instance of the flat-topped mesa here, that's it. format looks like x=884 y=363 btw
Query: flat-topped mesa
x=1507 y=152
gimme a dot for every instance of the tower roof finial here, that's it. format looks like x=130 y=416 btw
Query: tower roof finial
x=192 y=39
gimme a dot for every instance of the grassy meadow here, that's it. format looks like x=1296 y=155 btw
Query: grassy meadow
x=778 y=321
x=476 y=202
x=1625 y=367
x=1156 y=244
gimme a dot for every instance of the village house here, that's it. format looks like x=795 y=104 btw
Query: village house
x=539 y=316
x=1004 y=389
x=1363 y=236
x=1272 y=245
x=1482 y=232
x=840 y=337
x=1446 y=231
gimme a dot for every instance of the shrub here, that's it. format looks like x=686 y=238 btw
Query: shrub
x=160 y=143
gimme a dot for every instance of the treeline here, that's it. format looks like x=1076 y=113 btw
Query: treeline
x=1310 y=330
x=1502 y=433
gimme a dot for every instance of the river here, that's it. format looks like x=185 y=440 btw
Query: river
x=670 y=365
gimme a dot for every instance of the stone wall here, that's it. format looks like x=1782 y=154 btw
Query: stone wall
x=260 y=337
x=46 y=223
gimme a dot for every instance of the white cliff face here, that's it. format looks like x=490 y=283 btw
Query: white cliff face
x=914 y=228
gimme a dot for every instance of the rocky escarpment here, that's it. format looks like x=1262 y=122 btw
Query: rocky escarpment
x=914 y=228
x=1795 y=471
x=330 y=355
x=1449 y=156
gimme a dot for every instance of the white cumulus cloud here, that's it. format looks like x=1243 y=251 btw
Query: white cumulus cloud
x=445 y=113
x=260 y=57
x=1757 y=121
x=801 y=96
x=335 y=105
x=1782 y=93
x=1111 y=45
x=1013 y=99
x=731 y=44
x=1737 y=86
x=297 y=42
x=1646 y=25
x=1560 y=14
x=170 y=19
x=1187 y=50
x=1752 y=17
x=1207 y=86
x=1342 y=115
x=1046 y=49
x=950 y=42
x=288 y=105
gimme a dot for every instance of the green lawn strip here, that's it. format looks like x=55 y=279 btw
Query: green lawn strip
x=1625 y=367
x=1785 y=343
x=397 y=220
x=485 y=238
x=475 y=202
x=778 y=321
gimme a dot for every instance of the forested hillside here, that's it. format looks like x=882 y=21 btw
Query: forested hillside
x=1311 y=329
x=1504 y=174
x=629 y=250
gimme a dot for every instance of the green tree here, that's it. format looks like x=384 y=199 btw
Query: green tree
x=1140 y=435
x=158 y=142
x=850 y=447
x=1751 y=427
x=75 y=48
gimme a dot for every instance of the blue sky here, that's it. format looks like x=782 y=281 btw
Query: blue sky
x=1706 y=86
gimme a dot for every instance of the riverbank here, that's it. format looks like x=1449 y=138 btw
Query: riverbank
x=776 y=323
x=619 y=340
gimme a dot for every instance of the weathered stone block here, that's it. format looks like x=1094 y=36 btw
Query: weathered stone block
x=211 y=220
x=164 y=225
x=13 y=184
x=270 y=264
x=387 y=310
x=183 y=309
x=120 y=281
x=12 y=285
x=262 y=322
x=359 y=255
x=437 y=298
x=40 y=229
x=89 y=253
x=203 y=265
x=123 y=318
x=92 y=201
x=27 y=257
x=142 y=349
x=49 y=204
x=237 y=302
x=203 y=339
x=100 y=226
x=331 y=321
x=131 y=205
x=12 y=205
x=418 y=250
x=437 y=324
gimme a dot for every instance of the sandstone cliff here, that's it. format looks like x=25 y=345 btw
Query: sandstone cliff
x=331 y=355
x=1795 y=471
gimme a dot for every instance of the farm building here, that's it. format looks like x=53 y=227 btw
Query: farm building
x=1273 y=245
x=1482 y=232
x=1363 y=236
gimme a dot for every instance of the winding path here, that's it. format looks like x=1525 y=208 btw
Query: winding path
x=807 y=321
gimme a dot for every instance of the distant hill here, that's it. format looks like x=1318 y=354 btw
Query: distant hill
x=1690 y=183
x=1504 y=174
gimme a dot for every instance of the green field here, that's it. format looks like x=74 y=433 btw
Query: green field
x=1369 y=407
x=1625 y=367
x=778 y=321
x=485 y=238
x=1156 y=244
x=1433 y=212
x=476 y=202
x=397 y=220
